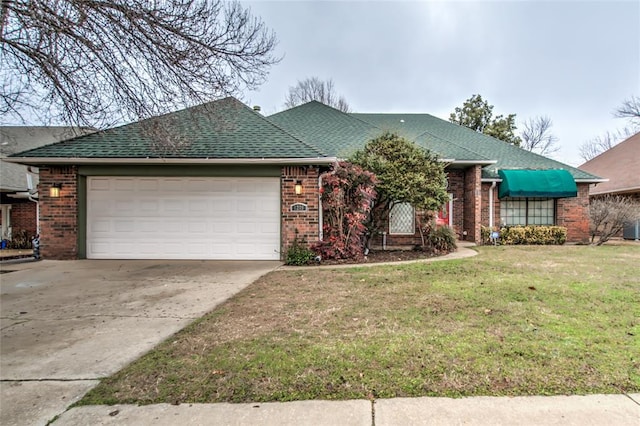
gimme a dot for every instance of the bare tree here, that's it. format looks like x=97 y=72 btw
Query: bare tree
x=596 y=146
x=314 y=89
x=91 y=62
x=537 y=137
x=630 y=109
x=609 y=215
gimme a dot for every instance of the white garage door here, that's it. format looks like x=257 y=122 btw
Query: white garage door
x=183 y=218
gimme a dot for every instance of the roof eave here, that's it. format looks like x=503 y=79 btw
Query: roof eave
x=174 y=161
x=469 y=162
x=620 y=191
x=591 y=180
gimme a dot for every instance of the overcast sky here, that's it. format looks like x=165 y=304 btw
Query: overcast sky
x=574 y=61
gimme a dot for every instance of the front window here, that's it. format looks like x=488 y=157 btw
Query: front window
x=527 y=211
x=401 y=219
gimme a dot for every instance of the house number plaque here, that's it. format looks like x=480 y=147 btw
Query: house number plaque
x=299 y=207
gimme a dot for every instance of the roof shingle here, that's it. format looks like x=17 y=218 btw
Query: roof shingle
x=221 y=129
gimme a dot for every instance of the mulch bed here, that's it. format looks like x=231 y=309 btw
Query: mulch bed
x=379 y=256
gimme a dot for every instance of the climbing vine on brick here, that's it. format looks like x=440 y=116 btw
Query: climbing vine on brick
x=348 y=193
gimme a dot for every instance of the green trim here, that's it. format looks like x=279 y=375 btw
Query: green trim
x=554 y=183
x=177 y=170
x=82 y=217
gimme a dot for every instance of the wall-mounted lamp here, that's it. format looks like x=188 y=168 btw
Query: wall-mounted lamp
x=54 y=191
x=298 y=187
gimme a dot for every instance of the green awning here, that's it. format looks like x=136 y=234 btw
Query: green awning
x=554 y=183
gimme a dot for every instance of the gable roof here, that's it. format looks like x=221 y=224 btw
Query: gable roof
x=333 y=131
x=220 y=130
x=14 y=139
x=227 y=131
x=620 y=164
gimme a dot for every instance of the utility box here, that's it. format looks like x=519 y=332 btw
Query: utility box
x=632 y=231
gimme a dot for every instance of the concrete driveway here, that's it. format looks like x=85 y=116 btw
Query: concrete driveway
x=65 y=325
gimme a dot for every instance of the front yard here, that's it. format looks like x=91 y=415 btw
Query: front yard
x=511 y=321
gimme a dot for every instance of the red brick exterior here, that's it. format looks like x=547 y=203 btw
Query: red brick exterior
x=23 y=217
x=394 y=241
x=303 y=225
x=472 y=203
x=59 y=216
x=573 y=214
x=455 y=186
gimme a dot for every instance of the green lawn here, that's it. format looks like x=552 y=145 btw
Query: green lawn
x=511 y=321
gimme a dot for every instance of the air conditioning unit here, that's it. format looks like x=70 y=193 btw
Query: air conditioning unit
x=632 y=231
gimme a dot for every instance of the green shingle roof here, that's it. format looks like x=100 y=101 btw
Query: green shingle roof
x=450 y=140
x=427 y=131
x=332 y=131
x=228 y=129
x=221 y=129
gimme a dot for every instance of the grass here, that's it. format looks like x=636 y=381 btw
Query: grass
x=511 y=321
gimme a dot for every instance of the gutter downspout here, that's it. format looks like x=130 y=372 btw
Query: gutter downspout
x=35 y=200
x=493 y=185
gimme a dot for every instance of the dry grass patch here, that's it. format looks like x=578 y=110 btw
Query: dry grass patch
x=511 y=321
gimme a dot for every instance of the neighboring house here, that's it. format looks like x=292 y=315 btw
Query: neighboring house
x=233 y=184
x=18 y=183
x=621 y=165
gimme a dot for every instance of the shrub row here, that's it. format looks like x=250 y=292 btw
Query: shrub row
x=533 y=235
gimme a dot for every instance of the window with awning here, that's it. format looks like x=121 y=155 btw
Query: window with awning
x=527 y=211
x=555 y=183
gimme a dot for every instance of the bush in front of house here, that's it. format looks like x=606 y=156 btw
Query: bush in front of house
x=299 y=254
x=441 y=240
x=348 y=192
x=527 y=235
x=20 y=240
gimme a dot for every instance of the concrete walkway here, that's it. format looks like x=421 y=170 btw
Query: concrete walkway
x=619 y=410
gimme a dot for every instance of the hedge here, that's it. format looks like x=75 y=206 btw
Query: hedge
x=531 y=235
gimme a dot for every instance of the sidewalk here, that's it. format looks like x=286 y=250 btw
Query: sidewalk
x=620 y=410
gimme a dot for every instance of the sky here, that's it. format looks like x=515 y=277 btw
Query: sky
x=574 y=61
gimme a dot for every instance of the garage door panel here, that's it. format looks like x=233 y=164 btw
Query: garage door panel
x=183 y=218
x=173 y=206
x=124 y=185
x=99 y=185
x=199 y=206
x=200 y=228
x=124 y=226
x=148 y=185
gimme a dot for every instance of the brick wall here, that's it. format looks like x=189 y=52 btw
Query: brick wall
x=472 y=203
x=59 y=216
x=24 y=217
x=455 y=186
x=303 y=225
x=573 y=213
